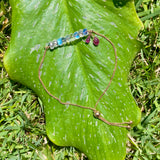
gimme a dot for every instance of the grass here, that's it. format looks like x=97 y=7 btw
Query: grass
x=144 y=82
x=22 y=121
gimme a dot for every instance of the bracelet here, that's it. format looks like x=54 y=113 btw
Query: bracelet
x=68 y=39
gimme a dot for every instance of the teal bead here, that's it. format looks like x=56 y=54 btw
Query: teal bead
x=59 y=41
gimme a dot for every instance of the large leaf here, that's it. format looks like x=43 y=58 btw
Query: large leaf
x=78 y=73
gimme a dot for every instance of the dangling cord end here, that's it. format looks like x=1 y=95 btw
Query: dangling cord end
x=98 y=115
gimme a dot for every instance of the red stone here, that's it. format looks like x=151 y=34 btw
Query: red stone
x=96 y=41
x=88 y=39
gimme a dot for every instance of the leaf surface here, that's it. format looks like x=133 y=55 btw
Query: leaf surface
x=78 y=73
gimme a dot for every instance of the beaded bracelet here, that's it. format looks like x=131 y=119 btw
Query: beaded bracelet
x=68 y=39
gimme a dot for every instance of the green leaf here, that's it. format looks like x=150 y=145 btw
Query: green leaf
x=78 y=73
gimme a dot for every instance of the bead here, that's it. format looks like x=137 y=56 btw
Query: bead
x=53 y=44
x=85 y=32
x=59 y=41
x=97 y=114
x=76 y=35
x=88 y=39
x=64 y=41
x=80 y=32
x=96 y=41
x=68 y=38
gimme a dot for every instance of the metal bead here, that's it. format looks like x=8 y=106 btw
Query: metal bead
x=96 y=114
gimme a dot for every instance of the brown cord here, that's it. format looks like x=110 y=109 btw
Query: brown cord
x=96 y=113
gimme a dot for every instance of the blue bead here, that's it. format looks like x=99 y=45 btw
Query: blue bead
x=59 y=41
x=85 y=32
x=76 y=35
